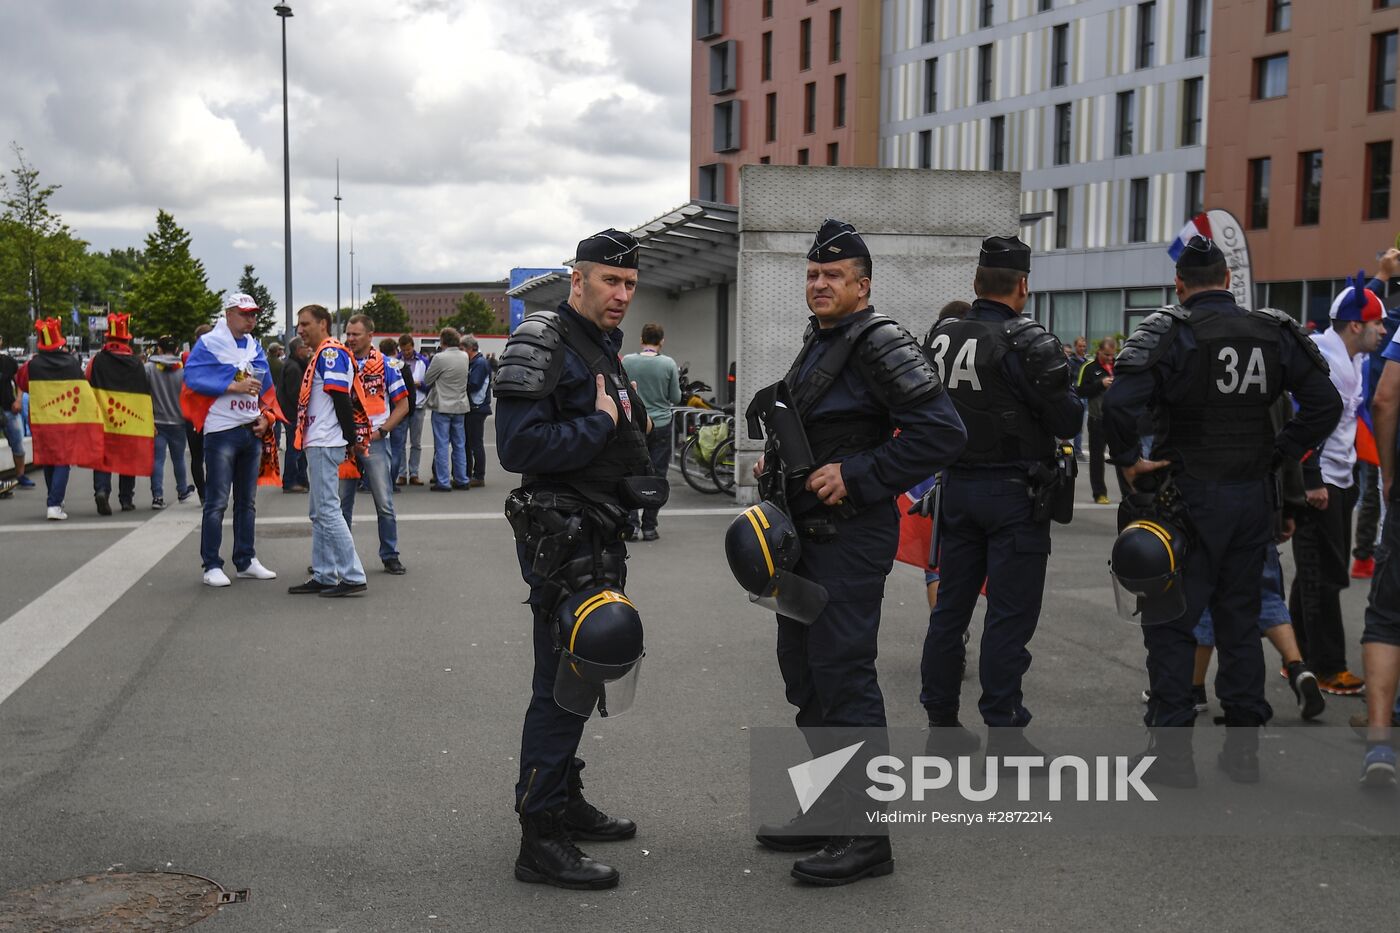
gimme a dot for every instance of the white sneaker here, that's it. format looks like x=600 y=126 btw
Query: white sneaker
x=215 y=576
x=256 y=571
x=56 y=514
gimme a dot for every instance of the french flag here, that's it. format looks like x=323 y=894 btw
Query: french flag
x=1196 y=226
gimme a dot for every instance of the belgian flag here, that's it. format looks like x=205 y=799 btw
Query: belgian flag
x=63 y=412
x=128 y=419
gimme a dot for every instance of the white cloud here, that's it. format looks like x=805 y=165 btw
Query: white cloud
x=473 y=135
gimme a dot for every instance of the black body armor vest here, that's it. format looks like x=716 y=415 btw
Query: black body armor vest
x=626 y=451
x=834 y=438
x=1001 y=428
x=1221 y=428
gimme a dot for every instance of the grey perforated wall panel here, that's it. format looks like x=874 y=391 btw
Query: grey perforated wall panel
x=923 y=229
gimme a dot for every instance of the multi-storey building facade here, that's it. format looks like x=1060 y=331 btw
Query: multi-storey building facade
x=791 y=82
x=1100 y=104
x=428 y=303
x=1304 y=122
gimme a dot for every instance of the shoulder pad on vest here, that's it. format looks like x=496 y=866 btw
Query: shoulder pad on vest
x=1285 y=320
x=1045 y=364
x=1151 y=340
x=533 y=358
x=895 y=364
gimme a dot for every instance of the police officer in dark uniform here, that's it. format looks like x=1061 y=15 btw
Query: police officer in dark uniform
x=567 y=422
x=1010 y=382
x=1210 y=371
x=858 y=377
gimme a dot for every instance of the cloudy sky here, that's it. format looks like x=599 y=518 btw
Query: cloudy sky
x=473 y=135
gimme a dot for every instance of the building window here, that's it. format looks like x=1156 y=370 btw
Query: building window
x=984 y=73
x=1146 y=33
x=1309 y=188
x=1383 y=71
x=1271 y=77
x=835 y=38
x=930 y=85
x=1123 y=139
x=712 y=182
x=765 y=160
x=1195 y=193
x=1195 y=28
x=809 y=107
x=984 y=16
x=1046 y=6
x=723 y=61
x=1063 y=133
x=996 y=147
x=1259 y=172
x=926 y=149
x=1280 y=15
x=1059 y=55
x=839 y=95
x=709 y=18
x=804 y=45
x=767 y=65
x=930 y=25
x=767 y=9
x=1137 y=211
x=804 y=157
x=770 y=118
x=833 y=154
x=1378 y=180
x=1061 y=218
x=1191 y=92
x=727 y=126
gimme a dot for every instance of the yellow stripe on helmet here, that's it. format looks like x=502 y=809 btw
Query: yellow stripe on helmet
x=754 y=513
x=1162 y=534
x=584 y=611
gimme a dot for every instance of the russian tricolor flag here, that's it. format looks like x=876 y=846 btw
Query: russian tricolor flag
x=1196 y=226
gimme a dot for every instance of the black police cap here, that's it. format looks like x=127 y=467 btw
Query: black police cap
x=1005 y=252
x=1200 y=251
x=610 y=248
x=837 y=240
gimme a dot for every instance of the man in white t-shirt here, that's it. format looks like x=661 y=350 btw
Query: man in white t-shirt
x=230 y=395
x=327 y=424
x=1321 y=545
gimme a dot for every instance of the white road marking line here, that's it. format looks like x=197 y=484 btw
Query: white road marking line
x=31 y=637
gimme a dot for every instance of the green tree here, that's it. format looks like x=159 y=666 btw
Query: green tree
x=39 y=256
x=474 y=316
x=171 y=294
x=267 y=320
x=389 y=316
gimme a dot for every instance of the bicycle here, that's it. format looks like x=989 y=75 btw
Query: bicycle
x=697 y=456
x=722 y=466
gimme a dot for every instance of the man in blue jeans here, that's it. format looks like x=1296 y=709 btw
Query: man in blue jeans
x=11 y=416
x=330 y=411
x=447 y=379
x=383 y=386
x=228 y=372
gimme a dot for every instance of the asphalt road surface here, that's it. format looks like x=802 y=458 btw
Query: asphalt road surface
x=351 y=762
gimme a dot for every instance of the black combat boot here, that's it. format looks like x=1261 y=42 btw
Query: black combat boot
x=845 y=859
x=1175 y=764
x=587 y=822
x=549 y=856
x=949 y=738
x=1239 y=758
x=796 y=835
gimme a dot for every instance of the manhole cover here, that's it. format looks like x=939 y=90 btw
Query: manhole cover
x=124 y=902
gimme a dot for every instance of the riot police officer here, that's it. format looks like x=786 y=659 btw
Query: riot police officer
x=1010 y=382
x=858 y=377
x=1210 y=371
x=566 y=421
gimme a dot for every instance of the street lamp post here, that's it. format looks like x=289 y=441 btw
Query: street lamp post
x=352 y=266
x=337 y=239
x=284 y=12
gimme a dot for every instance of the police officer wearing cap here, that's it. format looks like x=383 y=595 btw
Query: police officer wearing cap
x=1210 y=371
x=1010 y=381
x=858 y=378
x=566 y=421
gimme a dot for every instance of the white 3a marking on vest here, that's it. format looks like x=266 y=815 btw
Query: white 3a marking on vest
x=1253 y=372
x=964 y=369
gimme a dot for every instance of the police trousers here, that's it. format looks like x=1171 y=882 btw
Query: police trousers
x=988 y=534
x=549 y=739
x=828 y=667
x=1225 y=561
